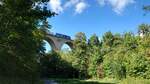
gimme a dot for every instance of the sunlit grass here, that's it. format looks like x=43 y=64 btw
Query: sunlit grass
x=134 y=81
x=103 y=81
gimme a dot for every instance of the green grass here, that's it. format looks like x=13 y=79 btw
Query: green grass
x=77 y=81
x=134 y=81
x=103 y=81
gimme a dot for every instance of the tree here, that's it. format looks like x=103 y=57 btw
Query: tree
x=95 y=57
x=117 y=40
x=138 y=65
x=20 y=38
x=80 y=52
x=144 y=29
x=146 y=8
x=129 y=41
x=108 y=39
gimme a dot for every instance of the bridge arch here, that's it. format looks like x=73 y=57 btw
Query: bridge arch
x=47 y=46
x=70 y=44
x=57 y=42
x=51 y=43
x=67 y=46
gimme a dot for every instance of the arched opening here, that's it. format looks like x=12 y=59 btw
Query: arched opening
x=48 y=47
x=51 y=43
x=66 y=48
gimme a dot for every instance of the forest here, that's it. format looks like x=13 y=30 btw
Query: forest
x=115 y=58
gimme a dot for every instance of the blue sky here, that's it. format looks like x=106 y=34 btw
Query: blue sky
x=97 y=16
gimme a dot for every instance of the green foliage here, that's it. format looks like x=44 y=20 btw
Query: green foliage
x=144 y=29
x=108 y=39
x=53 y=65
x=138 y=66
x=117 y=40
x=130 y=80
x=95 y=57
x=21 y=46
x=114 y=66
x=116 y=62
x=80 y=52
x=129 y=41
x=115 y=56
x=20 y=39
x=107 y=67
x=146 y=8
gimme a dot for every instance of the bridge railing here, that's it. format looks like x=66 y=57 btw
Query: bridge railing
x=58 y=35
x=62 y=36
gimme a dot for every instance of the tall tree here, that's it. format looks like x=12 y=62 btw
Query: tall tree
x=129 y=40
x=95 y=57
x=79 y=51
x=108 y=39
x=117 y=40
x=20 y=38
x=144 y=29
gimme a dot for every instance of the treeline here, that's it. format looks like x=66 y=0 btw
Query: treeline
x=113 y=56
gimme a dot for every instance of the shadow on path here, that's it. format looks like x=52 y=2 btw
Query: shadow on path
x=75 y=81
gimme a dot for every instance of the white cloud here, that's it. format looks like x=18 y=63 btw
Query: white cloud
x=55 y=6
x=117 y=5
x=80 y=7
x=71 y=3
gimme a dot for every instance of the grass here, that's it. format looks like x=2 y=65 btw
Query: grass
x=77 y=81
x=103 y=81
x=134 y=81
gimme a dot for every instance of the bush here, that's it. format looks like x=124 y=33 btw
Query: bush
x=107 y=67
x=138 y=66
x=100 y=71
x=114 y=66
x=53 y=66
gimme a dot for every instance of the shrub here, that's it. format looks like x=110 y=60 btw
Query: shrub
x=138 y=66
x=53 y=66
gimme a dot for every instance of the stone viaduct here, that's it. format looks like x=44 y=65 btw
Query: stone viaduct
x=58 y=40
